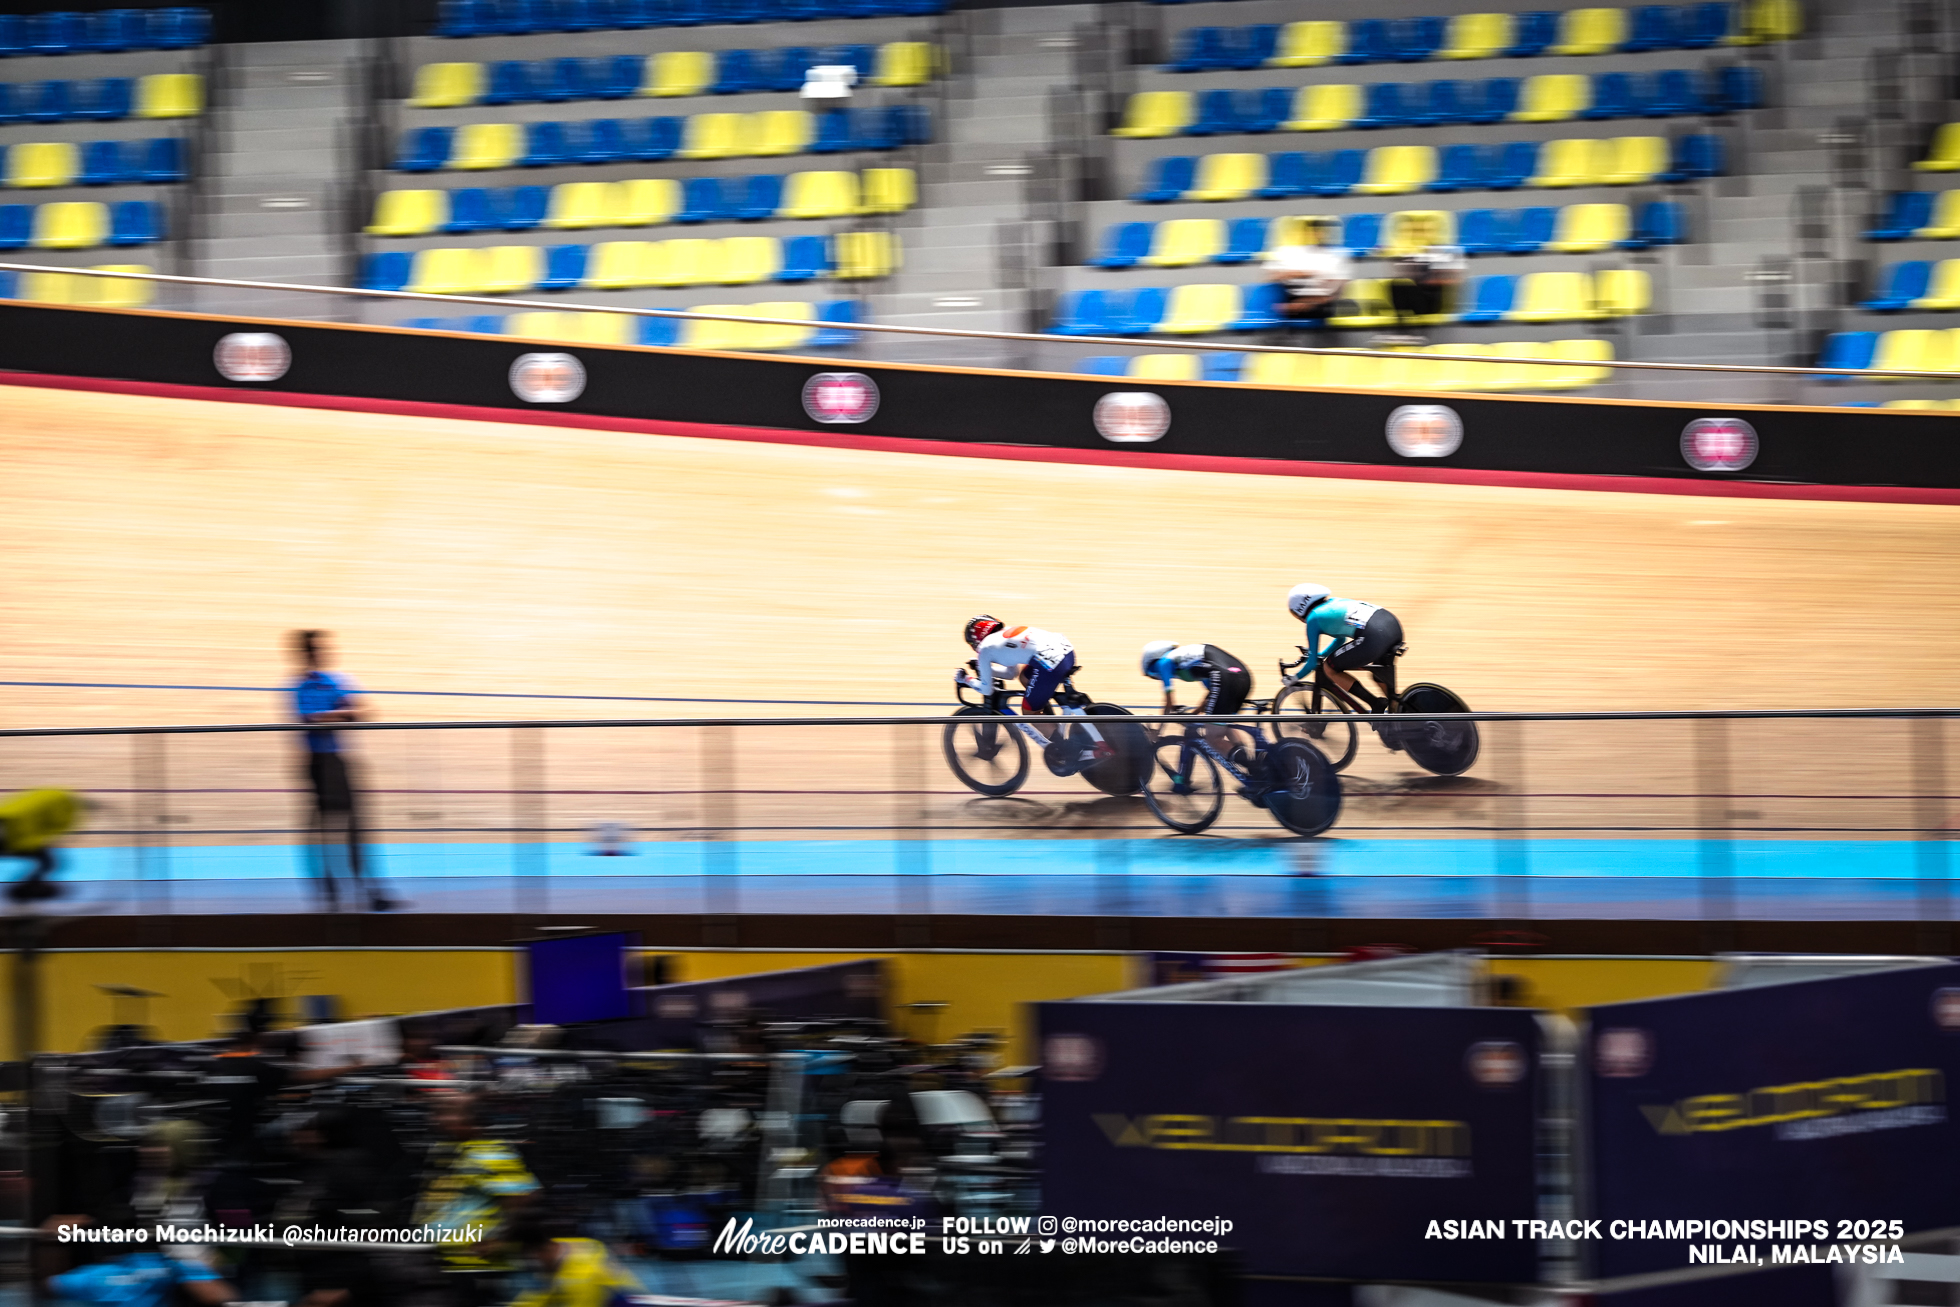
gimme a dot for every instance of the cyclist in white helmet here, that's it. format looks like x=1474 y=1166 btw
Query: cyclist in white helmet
x=1362 y=634
x=1227 y=683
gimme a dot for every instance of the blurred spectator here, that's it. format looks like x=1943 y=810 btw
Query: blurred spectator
x=322 y=697
x=167 y=1185
x=114 y=1276
x=30 y=823
x=577 y=1272
x=472 y=1182
x=1311 y=274
x=1426 y=275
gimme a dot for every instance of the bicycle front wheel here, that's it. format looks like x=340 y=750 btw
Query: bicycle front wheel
x=1183 y=787
x=1296 y=718
x=986 y=752
x=1446 y=748
x=1306 y=793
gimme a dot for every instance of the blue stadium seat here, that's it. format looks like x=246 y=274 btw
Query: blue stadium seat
x=1461 y=168
x=102 y=164
x=1476 y=232
x=54 y=33
x=559 y=80
x=107 y=99
x=520 y=208
x=1534 y=31
x=1124 y=244
x=1416 y=39
x=1219 y=365
x=1490 y=299
x=386 y=271
x=1899 y=285
x=1703 y=25
x=1517 y=162
x=1847 y=349
x=736 y=73
x=586 y=15
x=600 y=140
x=833 y=133
x=1534 y=227
x=1700 y=155
x=510 y=83
x=837 y=314
x=1383 y=107
x=1104 y=365
x=1339 y=171
x=1674 y=95
x=1443 y=101
x=1198 y=50
x=632 y=15
x=1653 y=29
x=1258 y=308
x=1169 y=177
x=161 y=159
x=136 y=222
x=1613 y=96
x=1218 y=115
x=564 y=267
x=179 y=29
x=1738 y=87
x=469 y=210
x=461 y=18
x=1368 y=43
x=545 y=145
x=16 y=226
x=1265 y=110
x=1659 y=222
x=683 y=13
x=665 y=332
x=1245 y=241
x=1911 y=210
x=13 y=35
x=916 y=121
x=45 y=102
x=650 y=139
x=1082 y=313
x=1286 y=176
x=1254 y=46
x=701 y=200
x=864 y=58
x=619 y=77
x=425 y=149
x=1500 y=100
x=1361 y=233
x=805 y=258
x=1140 y=312
x=761 y=197
x=786 y=69
x=115 y=30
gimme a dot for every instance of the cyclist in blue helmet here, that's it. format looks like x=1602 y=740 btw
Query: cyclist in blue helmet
x=1225 y=678
x=1362 y=634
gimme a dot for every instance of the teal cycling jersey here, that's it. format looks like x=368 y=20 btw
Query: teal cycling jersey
x=1339 y=620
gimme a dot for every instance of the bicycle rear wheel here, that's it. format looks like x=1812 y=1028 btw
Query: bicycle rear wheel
x=1296 y=718
x=1183 y=787
x=1123 y=772
x=986 y=752
x=1446 y=748
x=1306 y=793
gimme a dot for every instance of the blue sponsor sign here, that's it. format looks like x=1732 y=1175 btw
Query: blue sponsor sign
x=1329 y=1136
x=1817 y=1100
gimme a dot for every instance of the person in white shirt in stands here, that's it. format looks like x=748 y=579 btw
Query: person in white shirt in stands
x=1311 y=274
x=1426 y=276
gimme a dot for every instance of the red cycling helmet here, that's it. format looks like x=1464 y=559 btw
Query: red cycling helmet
x=980 y=628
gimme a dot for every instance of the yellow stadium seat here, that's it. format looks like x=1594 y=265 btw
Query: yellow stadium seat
x=890 y=190
x=1622 y=293
x=1768 y=20
x=776 y=132
x=1914 y=350
x=170 y=95
x=705 y=333
x=1199 y=309
x=821 y=194
x=1325 y=108
x=1347 y=372
x=1478 y=36
x=1291 y=229
x=1228 y=177
x=1552 y=297
x=1367 y=297
x=1590 y=31
x=1940 y=405
x=1942 y=289
x=1506 y=371
x=43 y=163
x=572 y=328
x=903 y=63
x=508 y=269
x=604 y=328
x=446 y=86
x=1272 y=369
x=1397 y=170
x=446 y=271
x=1590 y=228
x=746 y=260
x=1165 y=367
x=1185 y=242
x=481 y=146
x=577 y=205
x=117 y=292
x=52 y=288
x=532 y=326
x=865 y=254
x=1452 y=375
x=1309 y=45
x=615 y=265
x=1944 y=156
x=645 y=201
x=1572 y=161
x=1630 y=160
x=755 y=335
x=1553 y=98
x=409 y=213
x=71 y=225
x=1408 y=230
x=713 y=136
x=1587 y=350
x=1156 y=113
x=679 y=72
x=690 y=261
x=1944 y=223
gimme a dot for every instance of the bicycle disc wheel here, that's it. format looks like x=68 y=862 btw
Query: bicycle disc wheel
x=1306 y=793
x=1295 y=719
x=1123 y=772
x=1446 y=748
x=1183 y=787
x=989 y=756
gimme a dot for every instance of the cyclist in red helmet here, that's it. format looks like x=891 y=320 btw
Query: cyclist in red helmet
x=1043 y=659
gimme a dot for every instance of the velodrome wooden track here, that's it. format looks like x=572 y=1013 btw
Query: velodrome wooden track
x=174 y=542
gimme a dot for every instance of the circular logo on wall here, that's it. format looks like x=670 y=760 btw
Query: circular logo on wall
x=252 y=356
x=840 y=397
x=677 y=1007
x=1623 y=1053
x=547 y=378
x=1946 y=1008
x=1425 y=431
x=1132 y=417
x=1074 y=1058
x=1495 y=1063
x=1718 y=444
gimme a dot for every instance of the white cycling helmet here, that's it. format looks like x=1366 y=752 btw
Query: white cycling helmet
x=1302 y=597
x=1155 y=650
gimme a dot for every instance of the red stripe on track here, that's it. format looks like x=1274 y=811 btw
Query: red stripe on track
x=1016 y=453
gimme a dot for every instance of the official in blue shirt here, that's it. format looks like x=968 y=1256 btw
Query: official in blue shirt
x=322 y=698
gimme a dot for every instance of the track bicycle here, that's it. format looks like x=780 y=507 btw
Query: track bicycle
x=1303 y=703
x=1290 y=778
x=988 y=743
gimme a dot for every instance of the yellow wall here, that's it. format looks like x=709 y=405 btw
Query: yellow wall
x=1568 y=983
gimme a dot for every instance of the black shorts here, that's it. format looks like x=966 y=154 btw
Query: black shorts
x=333 y=790
x=1227 y=684
x=1370 y=644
